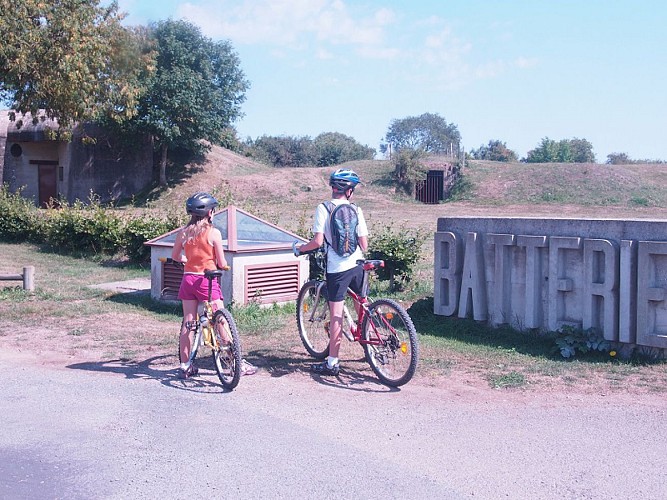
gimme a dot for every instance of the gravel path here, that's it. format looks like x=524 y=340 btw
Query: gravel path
x=107 y=430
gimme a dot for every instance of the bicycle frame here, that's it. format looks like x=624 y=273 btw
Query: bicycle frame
x=382 y=326
x=361 y=308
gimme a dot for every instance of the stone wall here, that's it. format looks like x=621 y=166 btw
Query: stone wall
x=610 y=275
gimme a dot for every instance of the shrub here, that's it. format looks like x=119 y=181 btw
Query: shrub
x=142 y=229
x=401 y=250
x=408 y=169
x=19 y=218
x=84 y=228
x=79 y=228
x=572 y=341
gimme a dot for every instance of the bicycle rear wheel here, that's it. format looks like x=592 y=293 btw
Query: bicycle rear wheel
x=312 y=318
x=227 y=355
x=394 y=353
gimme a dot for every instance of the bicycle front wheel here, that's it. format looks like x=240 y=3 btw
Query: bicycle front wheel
x=312 y=318
x=194 y=345
x=226 y=349
x=393 y=350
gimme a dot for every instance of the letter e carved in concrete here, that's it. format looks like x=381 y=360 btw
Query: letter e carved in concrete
x=651 y=294
x=559 y=282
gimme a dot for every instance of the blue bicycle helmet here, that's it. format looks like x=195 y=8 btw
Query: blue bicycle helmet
x=343 y=179
x=200 y=204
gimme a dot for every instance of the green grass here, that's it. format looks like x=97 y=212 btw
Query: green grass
x=588 y=185
x=506 y=358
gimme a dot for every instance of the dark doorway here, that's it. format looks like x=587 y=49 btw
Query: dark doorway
x=431 y=190
x=47 y=184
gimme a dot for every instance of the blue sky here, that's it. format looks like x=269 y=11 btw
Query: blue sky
x=513 y=70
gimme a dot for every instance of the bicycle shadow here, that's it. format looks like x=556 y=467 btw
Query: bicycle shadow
x=354 y=376
x=157 y=369
x=354 y=380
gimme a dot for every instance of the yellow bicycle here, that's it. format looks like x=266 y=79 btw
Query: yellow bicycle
x=217 y=331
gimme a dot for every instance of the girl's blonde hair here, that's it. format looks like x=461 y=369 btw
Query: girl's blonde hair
x=196 y=227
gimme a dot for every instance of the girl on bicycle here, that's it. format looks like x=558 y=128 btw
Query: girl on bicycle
x=199 y=247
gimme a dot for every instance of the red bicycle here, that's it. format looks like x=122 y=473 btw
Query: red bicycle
x=383 y=327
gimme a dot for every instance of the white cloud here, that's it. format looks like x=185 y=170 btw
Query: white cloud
x=289 y=23
x=526 y=62
x=429 y=49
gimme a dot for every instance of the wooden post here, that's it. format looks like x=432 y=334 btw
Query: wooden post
x=29 y=278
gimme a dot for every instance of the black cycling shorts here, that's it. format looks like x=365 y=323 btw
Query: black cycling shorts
x=338 y=283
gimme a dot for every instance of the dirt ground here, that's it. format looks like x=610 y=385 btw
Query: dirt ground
x=288 y=199
x=128 y=340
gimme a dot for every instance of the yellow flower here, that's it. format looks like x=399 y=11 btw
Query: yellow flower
x=612 y=353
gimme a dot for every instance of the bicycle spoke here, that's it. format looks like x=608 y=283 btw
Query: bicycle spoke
x=312 y=317
x=393 y=349
x=226 y=349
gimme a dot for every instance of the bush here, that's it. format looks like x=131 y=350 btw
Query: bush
x=19 y=218
x=401 y=250
x=79 y=228
x=572 y=341
x=84 y=228
x=408 y=169
x=142 y=229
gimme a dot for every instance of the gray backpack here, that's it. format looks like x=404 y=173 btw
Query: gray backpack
x=343 y=221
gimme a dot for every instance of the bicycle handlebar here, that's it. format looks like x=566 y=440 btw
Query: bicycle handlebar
x=295 y=250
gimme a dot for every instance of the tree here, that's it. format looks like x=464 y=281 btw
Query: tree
x=564 y=151
x=618 y=159
x=329 y=148
x=581 y=151
x=546 y=152
x=284 y=151
x=70 y=58
x=495 y=151
x=428 y=132
x=195 y=93
x=408 y=169
x=333 y=148
x=624 y=159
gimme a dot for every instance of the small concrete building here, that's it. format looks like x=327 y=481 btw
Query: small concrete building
x=263 y=267
x=44 y=167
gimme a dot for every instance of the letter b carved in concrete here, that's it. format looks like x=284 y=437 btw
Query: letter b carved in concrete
x=448 y=264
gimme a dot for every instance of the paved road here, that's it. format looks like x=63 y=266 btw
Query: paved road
x=134 y=431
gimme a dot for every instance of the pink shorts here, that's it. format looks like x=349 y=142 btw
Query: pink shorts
x=195 y=287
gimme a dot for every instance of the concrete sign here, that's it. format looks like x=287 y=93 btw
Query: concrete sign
x=610 y=275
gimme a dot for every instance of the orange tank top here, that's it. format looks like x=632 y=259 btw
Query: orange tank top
x=200 y=254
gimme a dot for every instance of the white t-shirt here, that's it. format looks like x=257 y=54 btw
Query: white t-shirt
x=336 y=263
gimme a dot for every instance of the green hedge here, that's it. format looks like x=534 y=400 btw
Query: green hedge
x=80 y=228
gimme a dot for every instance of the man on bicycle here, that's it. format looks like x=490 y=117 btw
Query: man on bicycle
x=342 y=272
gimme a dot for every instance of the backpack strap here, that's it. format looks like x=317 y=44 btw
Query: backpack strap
x=329 y=207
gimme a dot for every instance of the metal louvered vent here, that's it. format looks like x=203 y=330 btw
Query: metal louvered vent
x=268 y=283
x=172 y=274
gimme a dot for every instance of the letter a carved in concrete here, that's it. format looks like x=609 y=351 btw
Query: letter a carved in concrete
x=473 y=282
